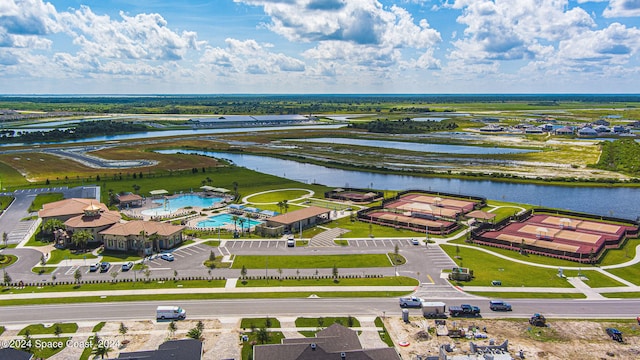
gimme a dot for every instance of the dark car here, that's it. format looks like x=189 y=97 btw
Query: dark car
x=499 y=305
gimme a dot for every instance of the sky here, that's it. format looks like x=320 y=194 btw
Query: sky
x=319 y=46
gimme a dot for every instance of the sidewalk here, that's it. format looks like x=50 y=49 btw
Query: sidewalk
x=248 y=290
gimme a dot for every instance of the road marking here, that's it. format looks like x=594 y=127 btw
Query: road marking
x=431 y=279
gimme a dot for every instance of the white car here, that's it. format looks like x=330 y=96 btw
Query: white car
x=415 y=241
x=127 y=266
x=166 y=256
x=94 y=267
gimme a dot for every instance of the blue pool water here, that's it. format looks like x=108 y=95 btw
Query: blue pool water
x=180 y=202
x=225 y=219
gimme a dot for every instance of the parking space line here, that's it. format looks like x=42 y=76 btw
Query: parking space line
x=179 y=255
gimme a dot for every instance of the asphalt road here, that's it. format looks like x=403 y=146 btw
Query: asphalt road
x=311 y=307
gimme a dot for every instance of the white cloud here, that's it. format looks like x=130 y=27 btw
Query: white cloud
x=513 y=30
x=622 y=8
x=359 y=32
x=248 y=56
x=143 y=36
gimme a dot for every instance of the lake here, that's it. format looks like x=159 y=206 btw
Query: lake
x=619 y=202
x=422 y=147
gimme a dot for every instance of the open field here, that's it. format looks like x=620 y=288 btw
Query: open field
x=487 y=268
x=311 y=261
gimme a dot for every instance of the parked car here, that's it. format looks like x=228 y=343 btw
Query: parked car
x=291 y=243
x=105 y=266
x=415 y=241
x=94 y=267
x=127 y=266
x=166 y=256
x=499 y=305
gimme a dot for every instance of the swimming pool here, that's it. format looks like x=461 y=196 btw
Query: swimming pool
x=179 y=202
x=220 y=220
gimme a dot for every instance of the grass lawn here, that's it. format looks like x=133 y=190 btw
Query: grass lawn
x=487 y=268
x=360 y=229
x=40 y=329
x=112 y=286
x=384 y=335
x=246 y=323
x=596 y=278
x=5 y=201
x=629 y=273
x=39 y=238
x=202 y=296
x=275 y=337
x=10 y=176
x=213 y=243
x=42 y=199
x=59 y=255
x=384 y=281
x=41 y=270
x=6 y=260
x=622 y=295
x=538 y=259
x=527 y=295
x=217 y=263
x=327 y=321
x=619 y=256
x=328 y=204
x=44 y=348
x=277 y=196
x=311 y=261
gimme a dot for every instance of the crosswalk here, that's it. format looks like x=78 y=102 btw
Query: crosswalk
x=326 y=238
x=435 y=256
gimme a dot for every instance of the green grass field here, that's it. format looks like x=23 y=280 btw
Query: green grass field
x=59 y=255
x=277 y=196
x=487 y=268
x=42 y=199
x=595 y=278
x=113 y=286
x=246 y=323
x=326 y=321
x=629 y=273
x=384 y=281
x=311 y=261
x=40 y=329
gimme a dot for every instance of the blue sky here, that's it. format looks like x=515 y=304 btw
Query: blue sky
x=319 y=46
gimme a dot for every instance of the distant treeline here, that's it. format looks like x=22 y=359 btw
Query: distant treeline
x=620 y=155
x=80 y=131
x=282 y=104
x=405 y=126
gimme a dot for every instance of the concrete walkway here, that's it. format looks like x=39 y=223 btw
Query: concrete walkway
x=248 y=290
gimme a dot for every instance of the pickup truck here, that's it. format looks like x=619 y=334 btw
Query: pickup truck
x=410 y=302
x=464 y=310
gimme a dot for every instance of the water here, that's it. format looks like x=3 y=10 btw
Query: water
x=411 y=146
x=621 y=202
x=220 y=220
x=182 y=201
x=186 y=132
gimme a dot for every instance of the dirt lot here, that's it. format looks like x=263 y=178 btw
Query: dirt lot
x=561 y=339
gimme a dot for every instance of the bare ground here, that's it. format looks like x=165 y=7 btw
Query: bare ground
x=562 y=339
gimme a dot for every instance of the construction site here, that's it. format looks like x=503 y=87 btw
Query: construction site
x=503 y=339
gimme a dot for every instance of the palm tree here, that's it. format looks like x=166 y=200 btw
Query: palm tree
x=101 y=350
x=241 y=221
x=136 y=187
x=280 y=205
x=285 y=205
x=235 y=219
x=235 y=190
x=82 y=238
x=51 y=225
x=154 y=241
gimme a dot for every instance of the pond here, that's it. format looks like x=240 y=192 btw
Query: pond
x=422 y=147
x=620 y=202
